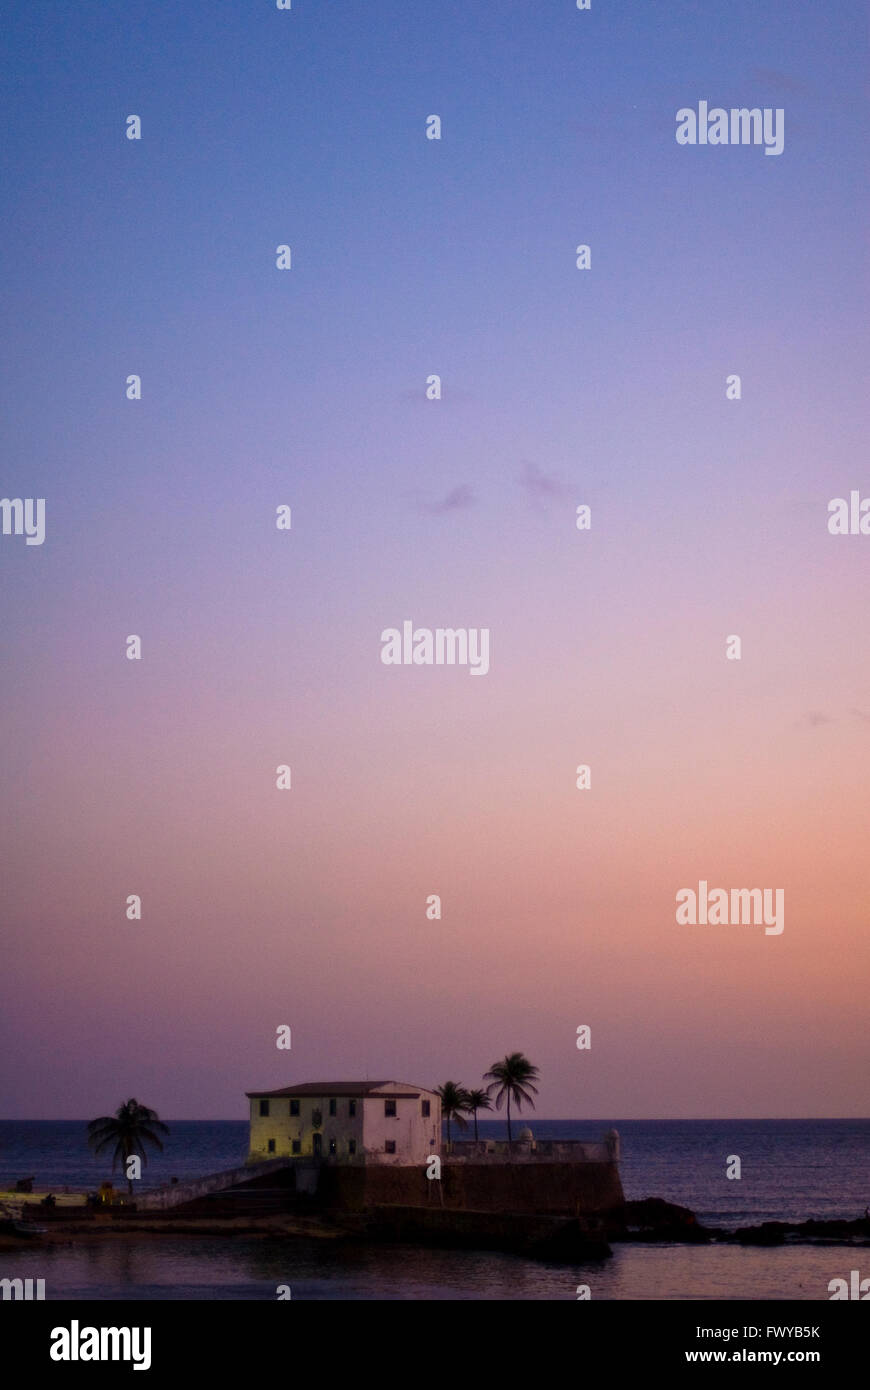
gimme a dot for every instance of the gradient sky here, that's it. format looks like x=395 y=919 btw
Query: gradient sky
x=262 y=647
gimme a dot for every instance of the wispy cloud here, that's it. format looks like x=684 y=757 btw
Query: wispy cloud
x=816 y=717
x=457 y=500
x=774 y=80
x=540 y=486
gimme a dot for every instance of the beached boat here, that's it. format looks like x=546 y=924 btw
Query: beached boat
x=11 y=1223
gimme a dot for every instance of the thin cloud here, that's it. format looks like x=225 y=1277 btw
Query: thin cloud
x=541 y=486
x=455 y=501
x=792 y=86
x=815 y=718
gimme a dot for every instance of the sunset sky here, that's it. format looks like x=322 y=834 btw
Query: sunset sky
x=262 y=647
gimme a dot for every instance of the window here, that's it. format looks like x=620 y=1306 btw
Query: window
x=297 y=1146
x=294 y=1107
x=427 y=1109
x=389 y=1107
x=351 y=1146
x=332 y=1107
x=264 y=1107
x=332 y=1146
x=351 y=1108
x=390 y=1146
x=271 y=1146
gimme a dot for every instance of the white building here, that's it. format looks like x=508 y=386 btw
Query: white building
x=346 y=1122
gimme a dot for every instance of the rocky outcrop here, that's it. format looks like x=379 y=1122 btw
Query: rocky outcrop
x=810 y=1232
x=656 y=1219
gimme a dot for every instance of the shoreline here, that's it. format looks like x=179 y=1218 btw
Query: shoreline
x=337 y=1227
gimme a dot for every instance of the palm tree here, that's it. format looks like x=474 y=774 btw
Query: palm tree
x=478 y=1100
x=512 y=1077
x=130 y=1128
x=454 y=1101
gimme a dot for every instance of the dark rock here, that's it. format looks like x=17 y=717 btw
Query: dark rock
x=768 y=1233
x=655 y=1219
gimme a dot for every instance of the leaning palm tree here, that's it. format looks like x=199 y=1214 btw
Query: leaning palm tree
x=127 y=1132
x=478 y=1100
x=512 y=1078
x=454 y=1104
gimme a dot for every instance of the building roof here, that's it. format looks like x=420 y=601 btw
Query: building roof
x=342 y=1088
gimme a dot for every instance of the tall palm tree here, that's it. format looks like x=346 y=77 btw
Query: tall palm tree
x=454 y=1104
x=127 y=1131
x=478 y=1100
x=512 y=1078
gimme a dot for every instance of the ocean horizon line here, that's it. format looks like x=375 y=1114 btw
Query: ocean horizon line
x=523 y=1119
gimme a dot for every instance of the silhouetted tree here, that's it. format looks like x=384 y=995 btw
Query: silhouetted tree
x=512 y=1079
x=127 y=1132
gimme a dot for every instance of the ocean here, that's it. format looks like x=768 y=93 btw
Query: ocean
x=791 y=1170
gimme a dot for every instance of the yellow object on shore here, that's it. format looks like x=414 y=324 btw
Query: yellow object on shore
x=62 y=1199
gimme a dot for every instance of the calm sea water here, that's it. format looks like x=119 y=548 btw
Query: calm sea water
x=791 y=1170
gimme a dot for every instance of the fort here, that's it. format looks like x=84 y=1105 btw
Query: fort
x=365 y=1161
x=361 y=1154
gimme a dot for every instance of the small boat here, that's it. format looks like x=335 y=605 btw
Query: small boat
x=11 y=1224
x=28 y=1228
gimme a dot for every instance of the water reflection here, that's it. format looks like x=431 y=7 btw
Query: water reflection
x=246 y=1268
